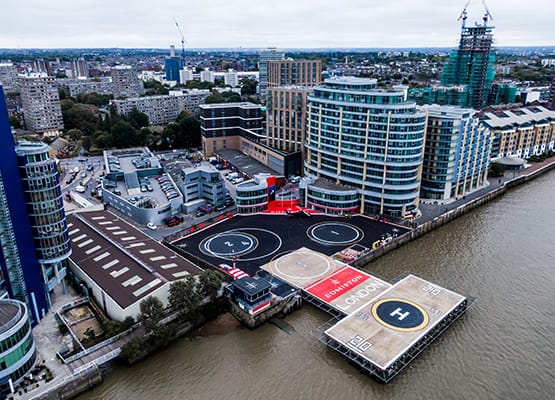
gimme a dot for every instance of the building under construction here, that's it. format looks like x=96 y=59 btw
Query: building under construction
x=472 y=63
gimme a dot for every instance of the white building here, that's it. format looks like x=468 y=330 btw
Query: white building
x=159 y=109
x=8 y=77
x=190 y=99
x=125 y=82
x=207 y=76
x=231 y=78
x=185 y=75
x=42 y=110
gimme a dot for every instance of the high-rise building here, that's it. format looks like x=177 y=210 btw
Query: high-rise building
x=367 y=139
x=472 y=63
x=125 y=82
x=185 y=75
x=33 y=232
x=18 y=347
x=286 y=117
x=231 y=78
x=456 y=153
x=207 y=76
x=223 y=124
x=294 y=72
x=8 y=77
x=172 y=65
x=269 y=54
x=79 y=68
x=42 y=110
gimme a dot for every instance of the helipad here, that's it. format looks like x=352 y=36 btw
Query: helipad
x=386 y=333
x=302 y=267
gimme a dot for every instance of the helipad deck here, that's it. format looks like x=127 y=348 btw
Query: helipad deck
x=345 y=290
x=385 y=334
x=302 y=267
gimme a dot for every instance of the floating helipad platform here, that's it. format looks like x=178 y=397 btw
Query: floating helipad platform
x=344 y=290
x=385 y=334
x=302 y=267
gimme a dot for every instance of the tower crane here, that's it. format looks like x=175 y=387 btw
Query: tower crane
x=463 y=15
x=182 y=41
x=487 y=14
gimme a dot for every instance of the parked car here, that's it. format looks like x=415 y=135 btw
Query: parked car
x=200 y=213
x=150 y=225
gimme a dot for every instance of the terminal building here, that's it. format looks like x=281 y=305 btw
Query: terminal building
x=137 y=186
x=119 y=265
x=17 y=347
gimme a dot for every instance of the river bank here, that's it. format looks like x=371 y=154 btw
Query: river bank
x=426 y=227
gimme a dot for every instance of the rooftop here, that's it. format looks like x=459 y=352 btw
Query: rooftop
x=122 y=260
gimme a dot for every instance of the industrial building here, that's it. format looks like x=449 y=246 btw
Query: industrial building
x=120 y=265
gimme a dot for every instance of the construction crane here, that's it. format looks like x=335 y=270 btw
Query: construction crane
x=463 y=15
x=487 y=14
x=182 y=41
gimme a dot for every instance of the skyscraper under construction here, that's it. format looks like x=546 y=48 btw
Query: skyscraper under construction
x=472 y=63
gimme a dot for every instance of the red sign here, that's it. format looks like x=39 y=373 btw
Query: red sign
x=337 y=284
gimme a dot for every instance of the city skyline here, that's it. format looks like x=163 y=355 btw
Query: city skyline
x=219 y=24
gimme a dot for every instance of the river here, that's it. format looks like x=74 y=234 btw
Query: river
x=503 y=348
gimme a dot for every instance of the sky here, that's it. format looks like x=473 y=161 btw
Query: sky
x=263 y=23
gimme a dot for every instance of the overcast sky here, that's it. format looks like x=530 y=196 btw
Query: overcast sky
x=263 y=23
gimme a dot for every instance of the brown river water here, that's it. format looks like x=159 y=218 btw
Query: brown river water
x=503 y=348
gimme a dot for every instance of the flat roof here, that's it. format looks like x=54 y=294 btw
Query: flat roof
x=127 y=264
x=302 y=267
x=246 y=164
x=347 y=289
x=384 y=329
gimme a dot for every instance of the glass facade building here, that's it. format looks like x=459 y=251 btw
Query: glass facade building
x=17 y=347
x=456 y=154
x=366 y=138
x=33 y=233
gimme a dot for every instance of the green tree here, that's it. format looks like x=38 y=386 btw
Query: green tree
x=215 y=97
x=248 y=87
x=123 y=134
x=14 y=122
x=152 y=312
x=137 y=118
x=210 y=284
x=74 y=134
x=94 y=99
x=77 y=116
x=133 y=350
x=184 y=297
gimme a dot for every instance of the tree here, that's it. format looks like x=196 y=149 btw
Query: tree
x=14 y=122
x=184 y=297
x=77 y=116
x=94 y=98
x=210 y=284
x=248 y=87
x=74 y=134
x=215 y=97
x=152 y=312
x=496 y=169
x=137 y=118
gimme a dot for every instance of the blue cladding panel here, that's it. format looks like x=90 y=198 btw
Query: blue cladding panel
x=20 y=219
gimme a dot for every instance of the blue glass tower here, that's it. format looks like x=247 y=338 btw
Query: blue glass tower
x=21 y=272
x=172 y=66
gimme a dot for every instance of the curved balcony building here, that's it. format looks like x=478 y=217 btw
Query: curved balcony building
x=43 y=196
x=369 y=139
x=17 y=347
